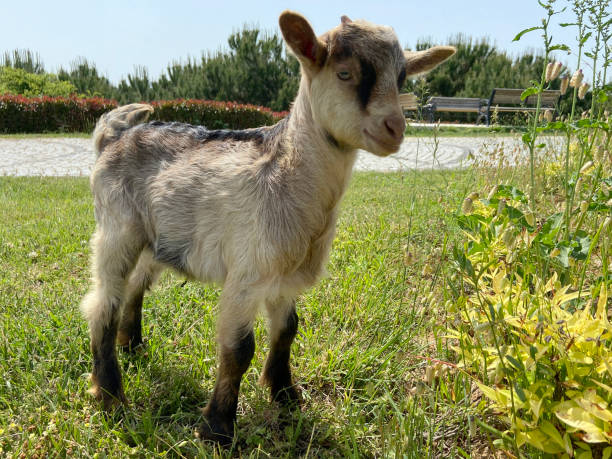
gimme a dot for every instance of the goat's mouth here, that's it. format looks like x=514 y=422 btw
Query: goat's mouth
x=387 y=146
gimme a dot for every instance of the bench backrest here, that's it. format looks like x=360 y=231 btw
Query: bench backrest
x=504 y=96
x=454 y=102
x=408 y=101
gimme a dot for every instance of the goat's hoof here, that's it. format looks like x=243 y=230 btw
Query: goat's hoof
x=109 y=401
x=132 y=347
x=214 y=431
x=288 y=397
x=129 y=344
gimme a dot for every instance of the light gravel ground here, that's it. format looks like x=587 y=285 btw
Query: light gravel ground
x=75 y=156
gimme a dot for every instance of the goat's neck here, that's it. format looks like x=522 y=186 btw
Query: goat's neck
x=318 y=156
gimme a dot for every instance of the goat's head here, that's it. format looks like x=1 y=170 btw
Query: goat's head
x=354 y=73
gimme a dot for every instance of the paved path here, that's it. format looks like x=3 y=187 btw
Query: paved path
x=75 y=156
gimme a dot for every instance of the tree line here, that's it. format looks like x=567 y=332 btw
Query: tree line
x=256 y=69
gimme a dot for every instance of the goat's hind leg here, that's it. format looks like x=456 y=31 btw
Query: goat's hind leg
x=129 y=335
x=115 y=253
x=277 y=373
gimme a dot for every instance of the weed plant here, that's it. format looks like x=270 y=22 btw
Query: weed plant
x=530 y=289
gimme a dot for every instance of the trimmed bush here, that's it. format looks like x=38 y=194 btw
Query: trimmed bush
x=213 y=114
x=50 y=114
x=19 y=114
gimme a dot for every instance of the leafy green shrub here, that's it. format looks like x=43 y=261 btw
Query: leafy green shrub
x=18 y=81
x=541 y=351
x=531 y=296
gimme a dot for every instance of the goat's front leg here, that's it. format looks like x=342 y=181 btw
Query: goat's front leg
x=277 y=373
x=236 y=349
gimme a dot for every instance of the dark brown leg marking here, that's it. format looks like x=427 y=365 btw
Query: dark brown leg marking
x=277 y=373
x=220 y=413
x=106 y=375
x=129 y=335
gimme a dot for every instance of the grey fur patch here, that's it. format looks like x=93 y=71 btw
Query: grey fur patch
x=201 y=133
x=171 y=253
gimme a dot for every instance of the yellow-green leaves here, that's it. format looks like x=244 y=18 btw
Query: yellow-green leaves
x=539 y=346
x=591 y=428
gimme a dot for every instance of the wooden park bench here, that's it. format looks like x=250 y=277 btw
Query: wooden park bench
x=455 y=105
x=505 y=100
x=408 y=101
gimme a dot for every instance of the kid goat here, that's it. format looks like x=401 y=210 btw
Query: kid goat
x=254 y=209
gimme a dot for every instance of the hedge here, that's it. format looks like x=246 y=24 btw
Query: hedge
x=50 y=114
x=213 y=114
x=19 y=114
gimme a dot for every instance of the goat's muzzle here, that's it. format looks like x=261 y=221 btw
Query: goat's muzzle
x=386 y=137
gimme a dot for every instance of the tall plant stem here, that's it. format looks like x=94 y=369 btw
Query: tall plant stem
x=569 y=192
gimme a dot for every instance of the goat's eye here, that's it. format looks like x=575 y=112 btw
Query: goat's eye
x=344 y=75
x=401 y=78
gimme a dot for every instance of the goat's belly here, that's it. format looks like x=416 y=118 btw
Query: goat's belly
x=205 y=261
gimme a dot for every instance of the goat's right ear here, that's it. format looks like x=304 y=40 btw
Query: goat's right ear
x=302 y=40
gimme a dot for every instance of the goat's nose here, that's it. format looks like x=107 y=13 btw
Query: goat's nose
x=396 y=125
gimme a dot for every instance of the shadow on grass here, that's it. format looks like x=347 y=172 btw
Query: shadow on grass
x=166 y=417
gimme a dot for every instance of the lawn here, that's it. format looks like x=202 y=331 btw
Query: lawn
x=360 y=357
x=457 y=130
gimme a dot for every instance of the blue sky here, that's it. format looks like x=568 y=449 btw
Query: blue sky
x=119 y=34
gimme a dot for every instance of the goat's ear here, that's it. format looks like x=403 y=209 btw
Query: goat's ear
x=424 y=61
x=302 y=40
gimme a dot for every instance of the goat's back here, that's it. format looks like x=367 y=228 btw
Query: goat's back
x=210 y=200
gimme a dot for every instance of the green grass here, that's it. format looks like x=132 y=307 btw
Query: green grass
x=451 y=130
x=359 y=356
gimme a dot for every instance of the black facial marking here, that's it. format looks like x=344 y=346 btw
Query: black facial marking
x=401 y=79
x=368 y=80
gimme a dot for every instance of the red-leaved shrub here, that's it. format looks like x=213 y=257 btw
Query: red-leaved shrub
x=20 y=114
x=51 y=114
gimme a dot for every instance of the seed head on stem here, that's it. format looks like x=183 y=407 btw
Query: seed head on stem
x=584 y=206
x=556 y=71
x=564 y=84
x=549 y=70
x=468 y=206
x=586 y=167
x=576 y=79
x=548 y=115
x=584 y=87
x=553 y=69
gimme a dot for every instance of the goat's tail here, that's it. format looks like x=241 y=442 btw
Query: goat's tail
x=112 y=124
